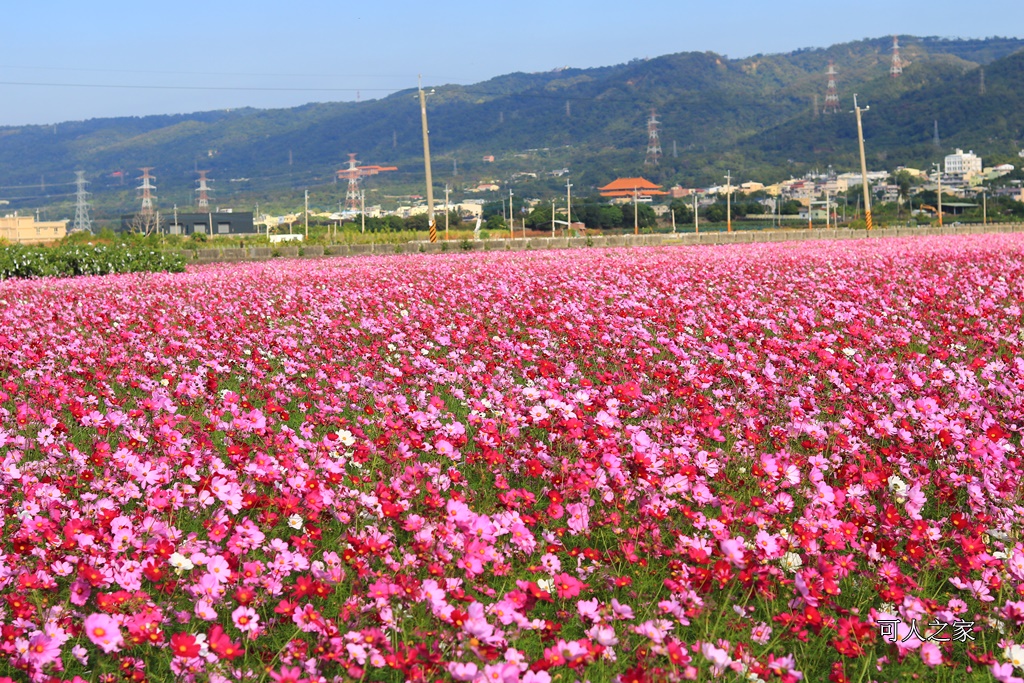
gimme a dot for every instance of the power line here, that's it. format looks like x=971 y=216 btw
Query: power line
x=197 y=73
x=188 y=87
x=23 y=187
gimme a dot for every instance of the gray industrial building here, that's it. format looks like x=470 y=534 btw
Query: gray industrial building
x=213 y=223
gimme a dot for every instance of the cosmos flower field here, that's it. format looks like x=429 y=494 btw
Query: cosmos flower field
x=776 y=462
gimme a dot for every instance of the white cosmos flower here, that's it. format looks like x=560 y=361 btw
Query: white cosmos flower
x=295 y=521
x=1015 y=655
x=791 y=562
x=346 y=437
x=180 y=563
x=897 y=485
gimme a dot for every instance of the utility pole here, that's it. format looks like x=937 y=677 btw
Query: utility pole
x=728 y=201
x=511 y=221
x=864 y=165
x=938 y=176
x=552 y=219
x=696 y=224
x=984 y=207
x=446 y=212
x=636 y=215
x=673 y=212
x=362 y=211
x=828 y=210
x=568 y=206
x=426 y=163
x=306 y=213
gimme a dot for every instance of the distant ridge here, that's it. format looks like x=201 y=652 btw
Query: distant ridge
x=752 y=115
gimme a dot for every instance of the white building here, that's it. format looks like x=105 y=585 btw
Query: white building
x=962 y=164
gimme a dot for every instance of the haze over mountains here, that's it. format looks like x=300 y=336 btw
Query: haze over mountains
x=754 y=116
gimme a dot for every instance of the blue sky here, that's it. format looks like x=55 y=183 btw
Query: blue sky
x=185 y=56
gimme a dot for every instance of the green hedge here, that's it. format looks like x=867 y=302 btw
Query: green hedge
x=19 y=261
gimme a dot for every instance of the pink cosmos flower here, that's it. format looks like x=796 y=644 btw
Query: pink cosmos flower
x=930 y=654
x=245 y=619
x=42 y=649
x=733 y=551
x=463 y=671
x=103 y=631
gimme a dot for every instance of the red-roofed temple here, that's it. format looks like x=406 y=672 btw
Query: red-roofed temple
x=627 y=187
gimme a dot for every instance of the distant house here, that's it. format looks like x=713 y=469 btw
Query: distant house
x=484 y=187
x=489 y=159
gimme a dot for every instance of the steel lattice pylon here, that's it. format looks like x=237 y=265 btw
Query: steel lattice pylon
x=83 y=223
x=653 y=143
x=832 y=94
x=204 y=191
x=897 y=62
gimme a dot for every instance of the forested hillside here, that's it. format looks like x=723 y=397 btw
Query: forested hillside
x=756 y=116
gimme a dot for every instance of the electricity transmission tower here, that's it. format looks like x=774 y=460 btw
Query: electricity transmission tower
x=82 y=220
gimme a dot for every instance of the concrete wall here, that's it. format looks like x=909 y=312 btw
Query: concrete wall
x=216 y=255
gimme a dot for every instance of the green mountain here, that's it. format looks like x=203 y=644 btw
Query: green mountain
x=758 y=116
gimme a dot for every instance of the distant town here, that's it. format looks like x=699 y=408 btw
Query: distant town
x=825 y=197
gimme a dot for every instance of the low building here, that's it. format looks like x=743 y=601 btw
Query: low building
x=27 y=230
x=220 y=223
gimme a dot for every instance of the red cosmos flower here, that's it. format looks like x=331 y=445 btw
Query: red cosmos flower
x=972 y=545
x=154 y=572
x=184 y=645
x=568 y=586
x=244 y=595
x=996 y=432
x=637 y=674
x=286 y=608
x=677 y=653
